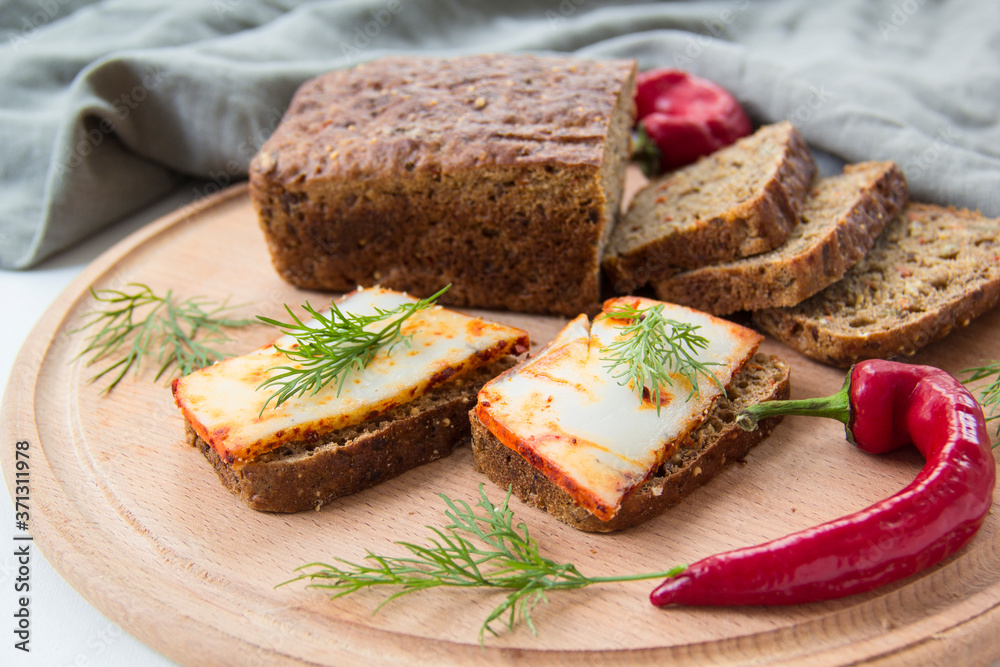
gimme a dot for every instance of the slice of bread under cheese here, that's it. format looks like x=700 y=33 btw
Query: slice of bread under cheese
x=406 y=407
x=567 y=437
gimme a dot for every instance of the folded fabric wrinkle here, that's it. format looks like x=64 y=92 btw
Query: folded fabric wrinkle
x=106 y=111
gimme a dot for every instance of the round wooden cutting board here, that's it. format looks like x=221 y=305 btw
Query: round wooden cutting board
x=138 y=523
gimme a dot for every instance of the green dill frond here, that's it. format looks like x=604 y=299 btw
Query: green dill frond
x=135 y=324
x=330 y=347
x=989 y=392
x=476 y=549
x=651 y=347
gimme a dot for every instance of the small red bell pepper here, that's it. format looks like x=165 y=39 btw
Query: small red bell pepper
x=884 y=405
x=686 y=116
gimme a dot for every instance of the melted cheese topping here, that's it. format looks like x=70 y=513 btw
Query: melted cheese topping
x=591 y=436
x=223 y=405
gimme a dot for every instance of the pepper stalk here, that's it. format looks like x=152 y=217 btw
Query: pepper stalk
x=835 y=406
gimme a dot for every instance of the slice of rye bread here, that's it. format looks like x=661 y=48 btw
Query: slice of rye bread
x=739 y=201
x=932 y=268
x=698 y=458
x=839 y=222
x=301 y=475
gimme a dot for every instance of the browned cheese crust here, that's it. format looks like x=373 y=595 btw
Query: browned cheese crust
x=739 y=201
x=499 y=174
x=301 y=476
x=699 y=458
x=839 y=223
x=932 y=269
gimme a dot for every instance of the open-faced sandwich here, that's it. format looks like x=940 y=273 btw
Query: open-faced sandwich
x=403 y=405
x=600 y=432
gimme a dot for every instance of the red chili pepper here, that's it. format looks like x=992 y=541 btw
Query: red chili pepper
x=687 y=116
x=884 y=405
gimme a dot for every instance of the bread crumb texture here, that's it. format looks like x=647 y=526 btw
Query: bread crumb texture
x=934 y=268
x=739 y=201
x=838 y=223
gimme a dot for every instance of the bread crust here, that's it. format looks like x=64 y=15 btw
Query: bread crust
x=501 y=175
x=304 y=476
x=933 y=268
x=655 y=240
x=701 y=456
x=803 y=265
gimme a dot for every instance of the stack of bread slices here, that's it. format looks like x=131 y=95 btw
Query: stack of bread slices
x=842 y=267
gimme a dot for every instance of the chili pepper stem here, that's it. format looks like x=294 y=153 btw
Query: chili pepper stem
x=836 y=406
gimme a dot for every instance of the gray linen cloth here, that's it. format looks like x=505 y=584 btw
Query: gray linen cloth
x=106 y=106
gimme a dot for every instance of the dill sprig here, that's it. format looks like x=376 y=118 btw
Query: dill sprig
x=136 y=324
x=333 y=345
x=651 y=347
x=989 y=394
x=501 y=556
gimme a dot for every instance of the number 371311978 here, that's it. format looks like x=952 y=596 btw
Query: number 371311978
x=22 y=469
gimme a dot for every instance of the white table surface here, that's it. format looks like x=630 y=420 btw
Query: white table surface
x=66 y=631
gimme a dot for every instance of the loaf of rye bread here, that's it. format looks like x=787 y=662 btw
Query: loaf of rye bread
x=932 y=268
x=838 y=224
x=739 y=201
x=697 y=459
x=499 y=174
x=306 y=475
